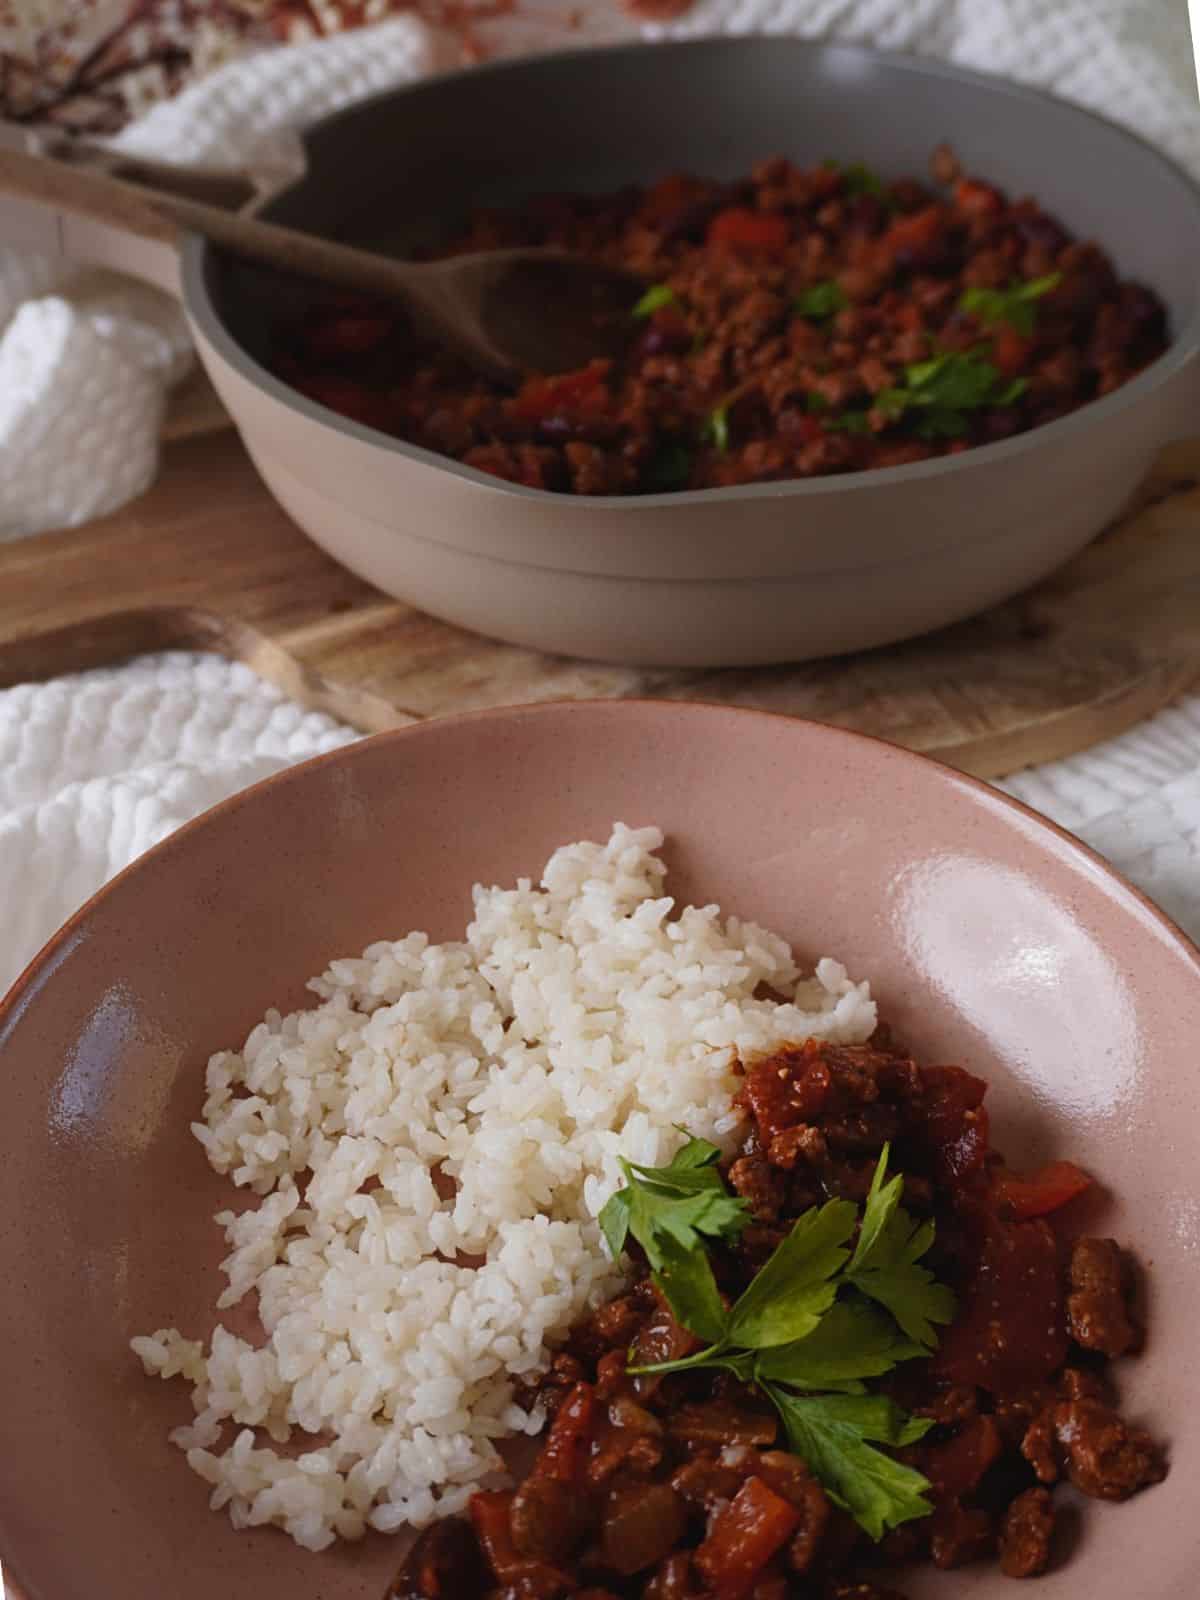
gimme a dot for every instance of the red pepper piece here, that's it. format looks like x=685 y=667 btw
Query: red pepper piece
x=1017 y=1287
x=564 y=1453
x=490 y=1514
x=583 y=391
x=977 y=199
x=753 y=1526
x=742 y=229
x=917 y=234
x=1037 y=1194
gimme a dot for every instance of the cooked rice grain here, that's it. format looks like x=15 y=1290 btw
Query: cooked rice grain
x=581 y=1021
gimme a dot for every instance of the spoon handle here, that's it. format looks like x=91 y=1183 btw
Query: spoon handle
x=148 y=211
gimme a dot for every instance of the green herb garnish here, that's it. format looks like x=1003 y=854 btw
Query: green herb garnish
x=861 y=180
x=853 y=1341
x=815 y=1322
x=857 y=422
x=831 y=1435
x=884 y=1263
x=717 y=428
x=1016 y=306
x=680 y=1201
x=655 y=298
x=936 y=394
x=820 y=300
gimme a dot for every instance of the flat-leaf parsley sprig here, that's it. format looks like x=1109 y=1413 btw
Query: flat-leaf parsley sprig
x=1016 y=306
x=816 y=1322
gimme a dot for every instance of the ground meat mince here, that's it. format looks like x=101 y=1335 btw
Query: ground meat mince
x=678 y=1486
x=797 y=323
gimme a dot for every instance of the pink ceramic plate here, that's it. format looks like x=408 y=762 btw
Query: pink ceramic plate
x=991 y=939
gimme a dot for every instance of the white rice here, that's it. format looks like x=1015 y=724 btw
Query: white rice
x=580 y=1021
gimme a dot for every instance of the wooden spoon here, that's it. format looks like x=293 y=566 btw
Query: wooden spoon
x=508 y=312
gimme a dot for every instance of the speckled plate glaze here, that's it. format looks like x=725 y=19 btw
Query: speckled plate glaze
x=991 y=938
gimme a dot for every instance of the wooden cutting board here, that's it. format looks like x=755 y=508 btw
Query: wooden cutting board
x=206 y=560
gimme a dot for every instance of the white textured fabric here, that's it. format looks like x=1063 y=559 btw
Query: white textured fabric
x=1129 y=59
x=235 y=113
x=96 y=768
x=1136 y=800
x=86 y=359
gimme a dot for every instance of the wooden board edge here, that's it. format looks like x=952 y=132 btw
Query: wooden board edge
x=113 y=638
x=110 y=639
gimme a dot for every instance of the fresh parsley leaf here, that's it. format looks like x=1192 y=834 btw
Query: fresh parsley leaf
x=655 y=298
x=790 y=1294
x=878 y=1211
x=942 y=425
x=874 y=1416
x=820 y=300
x=694 y=1165
x=695 y=1153
x=936 y=393
x=852 y=1341
x=892 y=403
x=831 y=1435
x=788 y=1331
x=683 y=1218
x=686 y=1279
x=676 y=1204
x=614 y=1221
x=1016 y=306
x=854 y=422
x=956 y=381
x=861 y=180
x=717 y=428
x=884 y=1264
x=1011 y=392
x=815 y=402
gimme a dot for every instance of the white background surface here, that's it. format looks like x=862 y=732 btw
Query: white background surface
x=95 y=769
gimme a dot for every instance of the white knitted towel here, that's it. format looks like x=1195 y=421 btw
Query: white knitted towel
x=85 y=361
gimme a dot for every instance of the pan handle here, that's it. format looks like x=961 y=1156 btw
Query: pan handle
x=39 y=225
x=214 y=186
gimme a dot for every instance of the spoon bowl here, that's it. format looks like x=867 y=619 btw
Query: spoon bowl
x=508 y=313
x=515 y=312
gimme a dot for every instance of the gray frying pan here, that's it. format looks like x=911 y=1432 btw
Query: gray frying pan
x=747 y=575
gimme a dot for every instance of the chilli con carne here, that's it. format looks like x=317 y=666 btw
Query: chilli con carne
x=672 y=1471
x=798 y=323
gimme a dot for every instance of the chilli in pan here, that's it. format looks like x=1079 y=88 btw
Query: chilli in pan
x=797 y=323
